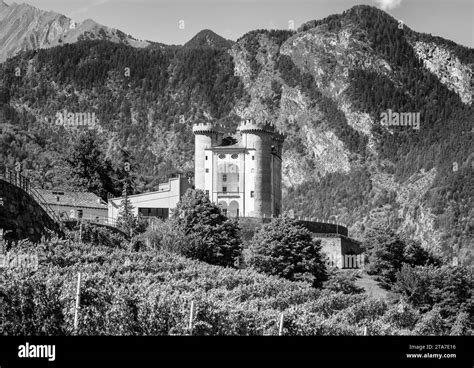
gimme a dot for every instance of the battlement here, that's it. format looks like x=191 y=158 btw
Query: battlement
x=204 y=128
x=251 y=126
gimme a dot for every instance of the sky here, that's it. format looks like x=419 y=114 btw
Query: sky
x=177 y=21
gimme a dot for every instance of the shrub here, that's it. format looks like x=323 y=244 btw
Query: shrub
x=163 y=235
x=448 y=288
x=99 y=235
x=285 y=249
x=205 y=233
x=31 y=305
x=343 y=281
x=149 y=293
x=415 y=255
x=462 y=325
x=388 y=251
x=402 y=316
x=431 y=324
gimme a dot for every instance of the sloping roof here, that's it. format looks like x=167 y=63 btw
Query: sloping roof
x=59 y=197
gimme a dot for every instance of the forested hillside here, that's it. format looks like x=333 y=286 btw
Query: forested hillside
x=147 y=112
x=325 y=85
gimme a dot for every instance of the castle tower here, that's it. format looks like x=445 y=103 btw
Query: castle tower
x=265 y=145
x=205 y=137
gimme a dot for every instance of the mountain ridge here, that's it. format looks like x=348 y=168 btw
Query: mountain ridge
x=325 y=86
x=24 y=27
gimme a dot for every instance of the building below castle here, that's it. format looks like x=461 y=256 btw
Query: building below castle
x=68 y=205
x=156 y=204
x=241 y=172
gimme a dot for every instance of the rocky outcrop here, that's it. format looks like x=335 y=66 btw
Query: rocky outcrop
x=447 y=67
x=311 y=150
x=328 y=56
x=407 y=212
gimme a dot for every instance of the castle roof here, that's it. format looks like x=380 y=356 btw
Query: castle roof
x=59 y=197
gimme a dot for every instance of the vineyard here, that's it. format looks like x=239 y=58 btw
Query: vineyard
x=150 y=293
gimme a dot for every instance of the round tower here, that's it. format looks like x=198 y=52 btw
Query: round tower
x=205 y=136
x=267 y=143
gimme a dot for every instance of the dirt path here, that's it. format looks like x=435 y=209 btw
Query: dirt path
x=371 y=287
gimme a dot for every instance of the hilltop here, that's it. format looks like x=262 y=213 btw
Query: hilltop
x=208 y=38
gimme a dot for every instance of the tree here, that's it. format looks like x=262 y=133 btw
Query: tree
x=385 y=251
x=88 y=167
x=388 y=251
x=447 y=288
x=284 y=248
x=207 y=235
x=416 y=255
x=462 y=325
x=127 y=221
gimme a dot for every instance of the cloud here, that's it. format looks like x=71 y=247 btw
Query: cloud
x=388 y=4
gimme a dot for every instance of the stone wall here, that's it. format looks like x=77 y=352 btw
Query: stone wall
x=331 y=247
x=21 y=217
x=324 y=228
x=335 y=248
x=250 y=224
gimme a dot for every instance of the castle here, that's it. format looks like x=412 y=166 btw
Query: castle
x=242 y=173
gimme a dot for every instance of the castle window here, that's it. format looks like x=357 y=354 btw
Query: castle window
x=235 y=156
x=206 y=158
x=80 y=213
x=224 y=177
x=207 y=170
x=222 y=156
x=224 y=189
x=253 y=157
x=252 y=194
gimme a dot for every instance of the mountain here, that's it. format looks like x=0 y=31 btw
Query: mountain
x=207 y=38
x=24 y=27
x=326 y=85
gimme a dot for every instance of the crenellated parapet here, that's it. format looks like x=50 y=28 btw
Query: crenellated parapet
x=252 y=126
x=205 y=128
